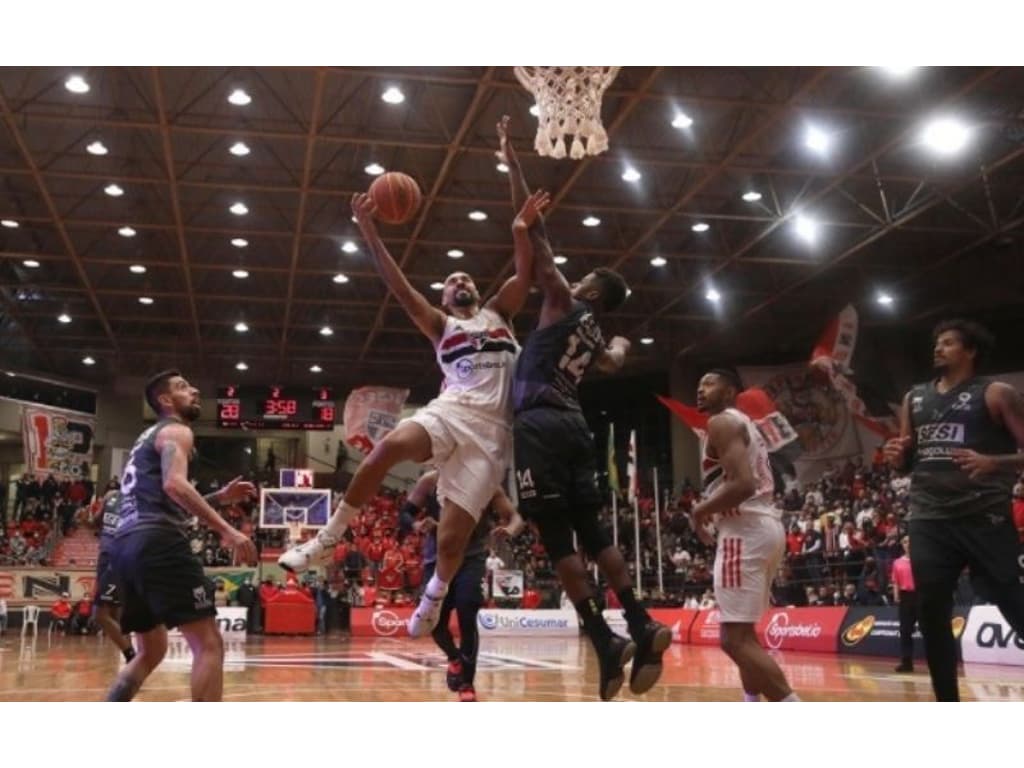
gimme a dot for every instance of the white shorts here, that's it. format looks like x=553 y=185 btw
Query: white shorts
x=471 y=453
x=750 y=549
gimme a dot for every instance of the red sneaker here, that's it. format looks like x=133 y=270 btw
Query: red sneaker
x=454 y=676
x=467 y=693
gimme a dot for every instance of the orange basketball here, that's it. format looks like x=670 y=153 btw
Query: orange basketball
x=397 y=197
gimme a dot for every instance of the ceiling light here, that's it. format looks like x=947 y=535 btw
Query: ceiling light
x=239 y=209
x=455 y=253
x=88 y=360
x=349 y=247
x=9 y=223
x=241 y=274
x=946 y=135
x=806 y=228
x=899 y=73
x=682 y=120
x=437 y=286
x=658 y=261
x=315 y=368
x=560 y=260
x=535 y=110
x=713 y=296
x=239 y=149
x=340 y=279
x=31 y=263
x=241 y=327
x=327 y=331
x=240 y=366
x=137 y=269
x=374 y=169
x=239 y=98
x=393 y=95
x=884 y=299
x=97 y=148
x=817 y=140
x=631 y=175
x=64 y=317
x=113 y=190
x=76 y=84
x=239 y=242
x=145 y=300
x=591 y=221
x=701 y=226
x=478 y=216
x=126 y=232
x=751 y=196
x=502 y=168
x=646 y=340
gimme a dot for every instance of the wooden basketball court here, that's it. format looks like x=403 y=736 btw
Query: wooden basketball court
x=539 y=669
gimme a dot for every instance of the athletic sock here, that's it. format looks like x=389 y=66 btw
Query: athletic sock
x=792 y=697
x=636 y=616
x=436 y=588
x=593 y=622
x=751 y=696
x=340 y=519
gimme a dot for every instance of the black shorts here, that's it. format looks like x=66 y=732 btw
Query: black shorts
x=556 y=479
x=161 y=581
x=556 y=466
x=987 y=543
x=107 y=591
x=467 y=588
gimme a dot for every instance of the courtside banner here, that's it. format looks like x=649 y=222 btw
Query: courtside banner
x=875 y=631
x=547 y=623
x=706 y=627
x=678 y=619
x=801 y=629
x=988 y=639
x=387 y=622
x=230 y=621
x=57 y=442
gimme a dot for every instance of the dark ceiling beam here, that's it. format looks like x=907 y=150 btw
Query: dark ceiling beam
x=55 y=218
x=179 y=223
x=454 y=149
x=307 y=171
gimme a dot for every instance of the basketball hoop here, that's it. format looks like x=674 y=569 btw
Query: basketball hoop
x=569 y=104
x=294 y=532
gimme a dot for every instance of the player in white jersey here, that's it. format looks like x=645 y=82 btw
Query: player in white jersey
x=465 y=431
x=738 y=492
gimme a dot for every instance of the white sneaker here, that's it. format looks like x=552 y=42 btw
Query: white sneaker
x=425 y=618
x=316 y=551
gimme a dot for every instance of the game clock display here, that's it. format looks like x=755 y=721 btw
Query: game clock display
x=275 y=408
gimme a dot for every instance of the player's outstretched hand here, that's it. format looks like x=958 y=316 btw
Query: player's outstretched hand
x=504 y=147
x=364 y=208
x=531 y=210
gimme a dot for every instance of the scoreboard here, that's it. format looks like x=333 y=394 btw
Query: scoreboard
x=273 y=407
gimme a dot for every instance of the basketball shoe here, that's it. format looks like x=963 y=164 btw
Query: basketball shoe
x=316 y=551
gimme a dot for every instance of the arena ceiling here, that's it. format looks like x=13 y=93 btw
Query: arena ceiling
x=937 y=232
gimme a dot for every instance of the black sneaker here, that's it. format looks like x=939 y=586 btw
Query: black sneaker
x=647 y=664
x=454 y=675
x=905 y=666
x=615 y=657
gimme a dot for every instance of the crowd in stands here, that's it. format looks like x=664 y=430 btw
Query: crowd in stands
x=41 y=510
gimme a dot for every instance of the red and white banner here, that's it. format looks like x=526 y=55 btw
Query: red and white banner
x=370 y=413
x=801 y=629
x=706 y=627
x=57 y=442
x=678 y=619
x=389 y=621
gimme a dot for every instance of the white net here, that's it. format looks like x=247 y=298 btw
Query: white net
x=569 y=104
x=294 y=533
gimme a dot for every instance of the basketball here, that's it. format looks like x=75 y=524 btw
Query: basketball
x=397 y=197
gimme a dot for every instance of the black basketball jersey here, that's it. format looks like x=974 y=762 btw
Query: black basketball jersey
x=109 y=520
x=946 y=422
x=144 y=505
x=554 y=360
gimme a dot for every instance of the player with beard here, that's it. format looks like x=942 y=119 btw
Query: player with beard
x=465 y=431
x=162 y=583
x=556 y=463
x=738 y=497
x=959 y=439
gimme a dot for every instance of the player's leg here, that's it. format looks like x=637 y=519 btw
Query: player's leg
x=108 y=619
x=152 y=646
x=936 y=564
x=453 y=531
x=442 y=636
x=993 y=550
x=207 y=646
x=409 y=441
x=757 y=669
x=468 y=593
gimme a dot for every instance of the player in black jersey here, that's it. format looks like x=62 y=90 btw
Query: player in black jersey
x=107 y=599
x=162 y=583
x=959 y=439
x=465 y=594
x=555 y=460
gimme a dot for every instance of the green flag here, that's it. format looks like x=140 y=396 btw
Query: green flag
x=613 y=470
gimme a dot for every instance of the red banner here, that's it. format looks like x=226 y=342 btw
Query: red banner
x=705 y=627
x=679 y=619
x=370 y=413
x=801 y=629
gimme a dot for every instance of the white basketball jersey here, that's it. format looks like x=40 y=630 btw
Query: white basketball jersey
x=478 y=357
x=713 y=474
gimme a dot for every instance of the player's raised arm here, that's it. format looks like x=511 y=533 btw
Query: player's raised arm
x=428 y=318
x=512 y=295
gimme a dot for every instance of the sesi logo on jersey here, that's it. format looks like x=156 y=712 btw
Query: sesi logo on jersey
x=940 y=433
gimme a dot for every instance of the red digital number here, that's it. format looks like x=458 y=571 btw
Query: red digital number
x=327 y=414
x=231 y=391
x=281 y=407
x=275 y=392
x=291 y=407
x=229 y=412
x=323 y=394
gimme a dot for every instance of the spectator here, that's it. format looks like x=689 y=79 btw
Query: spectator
x=82 y=621
x=60 y=613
